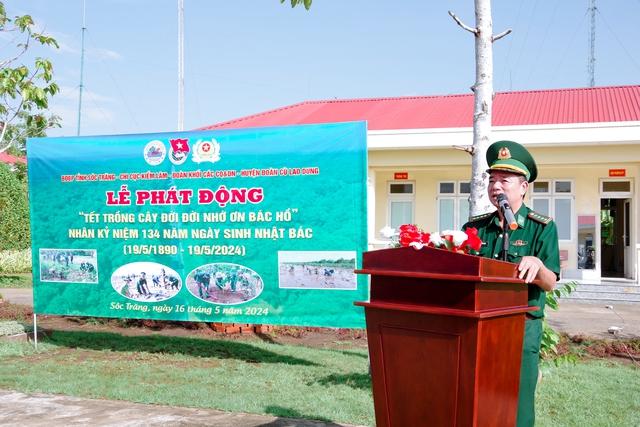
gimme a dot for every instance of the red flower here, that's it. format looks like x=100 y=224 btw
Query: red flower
x=409 y=233
x=424 y=238
x=473 y=240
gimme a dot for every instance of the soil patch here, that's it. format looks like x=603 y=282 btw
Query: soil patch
x=305 y=336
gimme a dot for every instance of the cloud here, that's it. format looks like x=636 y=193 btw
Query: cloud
x=105 y=54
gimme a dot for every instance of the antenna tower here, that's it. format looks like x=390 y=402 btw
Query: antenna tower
x=591 y=63
x=180 y=65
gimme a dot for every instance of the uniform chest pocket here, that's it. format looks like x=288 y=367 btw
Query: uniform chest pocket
x=517 y=250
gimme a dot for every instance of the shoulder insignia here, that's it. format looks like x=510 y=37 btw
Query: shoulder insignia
x=480 y=217
x=542 y=219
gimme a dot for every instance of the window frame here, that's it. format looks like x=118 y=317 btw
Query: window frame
x=401 y=197
x=457 y=195
x=616 y=194
x=552 y=196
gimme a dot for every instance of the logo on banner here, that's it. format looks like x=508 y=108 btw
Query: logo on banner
x=155 y=152
x=179 y=151
x=206 y=151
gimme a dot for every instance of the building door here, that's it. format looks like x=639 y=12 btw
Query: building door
x=612 y=237
x=626 y=239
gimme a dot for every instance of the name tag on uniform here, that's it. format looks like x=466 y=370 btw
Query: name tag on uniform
x=519 y=243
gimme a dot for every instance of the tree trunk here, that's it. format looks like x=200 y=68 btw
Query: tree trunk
x=483 y=89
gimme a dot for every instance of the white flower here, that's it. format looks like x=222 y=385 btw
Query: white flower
x=458 y=236
x=416 y=245
x=388 y=232
x=436 y=240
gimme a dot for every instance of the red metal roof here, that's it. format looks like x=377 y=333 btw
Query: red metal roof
x=538 y=107
x=8 y=158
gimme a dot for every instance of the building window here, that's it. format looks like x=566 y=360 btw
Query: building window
x=616 y=188
x=554 y=198
x=453 y=204
x=401 y=197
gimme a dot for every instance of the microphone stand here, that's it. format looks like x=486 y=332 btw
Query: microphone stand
x=505 y=237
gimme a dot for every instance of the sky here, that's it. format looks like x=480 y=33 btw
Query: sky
x=247 y=57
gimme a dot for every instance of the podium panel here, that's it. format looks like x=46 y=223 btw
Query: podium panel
x=434 y=372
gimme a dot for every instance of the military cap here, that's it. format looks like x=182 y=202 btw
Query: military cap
x=509 y=156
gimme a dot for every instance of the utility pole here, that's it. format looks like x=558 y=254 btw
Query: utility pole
x=591 y=63
x=180 y=65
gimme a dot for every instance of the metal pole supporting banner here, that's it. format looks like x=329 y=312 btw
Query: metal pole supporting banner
x=35 y=331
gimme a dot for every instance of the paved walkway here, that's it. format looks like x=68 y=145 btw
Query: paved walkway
x=45 y=410
x=35 y=410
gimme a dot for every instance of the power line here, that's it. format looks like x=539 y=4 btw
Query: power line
x=618 y=40
x=84 y=27
x=113 y=80
x=535 y=61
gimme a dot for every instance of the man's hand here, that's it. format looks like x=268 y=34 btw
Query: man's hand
x=531 y=268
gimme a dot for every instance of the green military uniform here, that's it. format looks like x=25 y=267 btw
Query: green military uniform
x=536 y=235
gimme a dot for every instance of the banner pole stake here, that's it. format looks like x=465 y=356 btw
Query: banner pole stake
x=35 y=331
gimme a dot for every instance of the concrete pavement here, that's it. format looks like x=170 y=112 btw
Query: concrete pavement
x=46 y=410
x=43 y=410
x=18 y=296
x=594 y=320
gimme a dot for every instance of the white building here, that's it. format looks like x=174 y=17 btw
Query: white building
x=586 y=143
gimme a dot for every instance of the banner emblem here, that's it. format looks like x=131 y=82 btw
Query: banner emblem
x=179 y=151
x=155 y=152
x=206 y=151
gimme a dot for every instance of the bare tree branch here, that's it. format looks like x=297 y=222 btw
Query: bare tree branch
x=455 y=18
x=469 y=149
x=501 y=35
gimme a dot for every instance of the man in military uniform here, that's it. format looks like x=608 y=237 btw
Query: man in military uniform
x=533 y=245
x=203 y=279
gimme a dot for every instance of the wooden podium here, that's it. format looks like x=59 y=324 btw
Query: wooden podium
x=445 y=334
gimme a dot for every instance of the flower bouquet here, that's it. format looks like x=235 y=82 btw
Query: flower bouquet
x=452 y=240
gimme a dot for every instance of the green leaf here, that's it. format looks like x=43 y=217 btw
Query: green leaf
x=566 y=360
x=16 y=80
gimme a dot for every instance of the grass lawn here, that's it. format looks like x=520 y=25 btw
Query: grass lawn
x=591 y=394
x=16 y=281
x=255 y=377
x=275 y=379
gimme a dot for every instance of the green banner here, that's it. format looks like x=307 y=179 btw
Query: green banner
x=248 y=226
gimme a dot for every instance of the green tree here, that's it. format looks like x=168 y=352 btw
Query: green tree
x=14 y=212
x=294 y=3
x=25 y=92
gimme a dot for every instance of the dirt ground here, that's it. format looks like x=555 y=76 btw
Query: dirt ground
x=306 y=336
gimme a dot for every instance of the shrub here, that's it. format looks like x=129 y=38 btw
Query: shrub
x=11 y=327
x=14 y=212
x=14 y=262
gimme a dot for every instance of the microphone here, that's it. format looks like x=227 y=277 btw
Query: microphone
x=507 y=213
